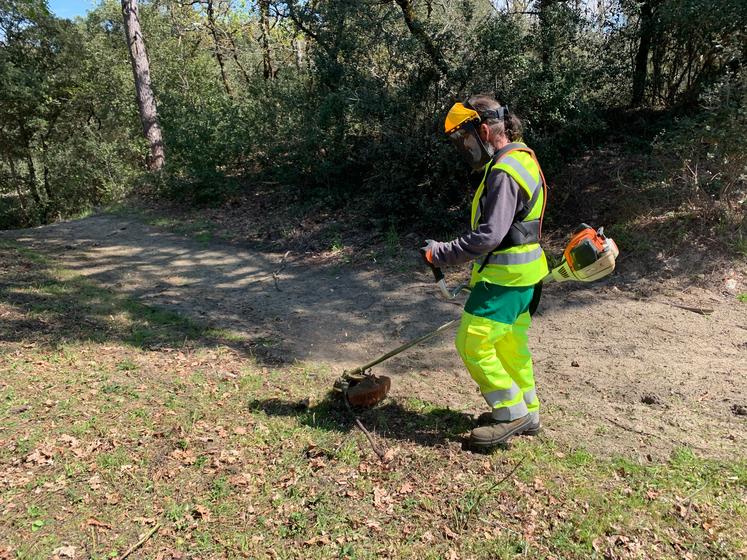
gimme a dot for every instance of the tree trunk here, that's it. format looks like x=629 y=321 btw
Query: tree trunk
x=264 y=26
x=141 y=72
x=52 y=119
x=17 y=182
x=31 y=179
x=235 y=54
x=297 y=44
x=417 y=31
x=216 y=46
x=644 y=46
x=657 y=66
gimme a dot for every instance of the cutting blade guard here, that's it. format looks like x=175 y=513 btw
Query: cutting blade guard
x=363 y=390
x=589 y=256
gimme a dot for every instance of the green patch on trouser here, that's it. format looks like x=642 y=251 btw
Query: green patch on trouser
x=492 y=341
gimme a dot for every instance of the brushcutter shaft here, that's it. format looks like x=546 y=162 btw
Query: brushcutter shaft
x=400 y=349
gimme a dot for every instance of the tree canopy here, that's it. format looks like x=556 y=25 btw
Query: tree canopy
x=338 y=98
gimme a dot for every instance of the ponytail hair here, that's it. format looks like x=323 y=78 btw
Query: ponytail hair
x=512 y=127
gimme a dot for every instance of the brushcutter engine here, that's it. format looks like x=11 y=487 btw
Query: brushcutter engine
x=588 y=256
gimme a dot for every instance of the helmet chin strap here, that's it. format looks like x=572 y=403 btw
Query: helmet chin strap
x=488 y=147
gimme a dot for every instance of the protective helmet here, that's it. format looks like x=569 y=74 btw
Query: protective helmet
x=462 y=126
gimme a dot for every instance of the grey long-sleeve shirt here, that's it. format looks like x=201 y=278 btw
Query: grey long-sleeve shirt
x=502 y=200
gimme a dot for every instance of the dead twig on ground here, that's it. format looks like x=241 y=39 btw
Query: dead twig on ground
x=380 y=452
x=462 y=516
x=689 y=500
x=628 y=428
x=649 y=434
x=699 y=310
x=276 y=274
x=141 y=542
x=94 y=540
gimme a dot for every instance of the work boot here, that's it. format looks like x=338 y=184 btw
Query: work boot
x=497 y=433
x=486 y=418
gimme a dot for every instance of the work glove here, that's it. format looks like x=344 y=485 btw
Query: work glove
x=426 y=251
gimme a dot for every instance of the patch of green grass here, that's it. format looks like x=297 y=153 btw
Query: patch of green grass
x=117 y=389
x=34 y=511
x=25 y=253
x=349 y=453
x=419 y=405
x=225 y=335
x=81 y=214
x=579 y=458
x=336 y=245
x=139 y=414
x=742 y=298
x=200 y=230
x=113 y=460
x=26 y=444
x=739 y=244
x=220 y=488
x=198 y=377
x=203 y=236
x=392 y=243
x=73 y=468
x=295 y=525
x=83 y=426
x=178 y=513
x=127 y=365
x=469 y=504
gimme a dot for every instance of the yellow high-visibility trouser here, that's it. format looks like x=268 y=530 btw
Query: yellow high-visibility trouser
x=497 y=357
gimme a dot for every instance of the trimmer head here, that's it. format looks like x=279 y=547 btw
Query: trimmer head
x=363 y=390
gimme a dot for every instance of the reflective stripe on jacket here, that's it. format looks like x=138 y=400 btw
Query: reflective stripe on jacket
x=521 y=265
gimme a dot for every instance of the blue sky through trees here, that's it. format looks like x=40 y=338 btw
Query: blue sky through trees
x=70 y=8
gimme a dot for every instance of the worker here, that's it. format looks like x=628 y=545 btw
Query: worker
x=503 y=242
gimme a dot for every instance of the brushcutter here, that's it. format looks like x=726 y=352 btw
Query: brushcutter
x=588 y=256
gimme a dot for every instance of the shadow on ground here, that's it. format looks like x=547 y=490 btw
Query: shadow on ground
x=42 y=307
x=431 y=426
x=173 y=289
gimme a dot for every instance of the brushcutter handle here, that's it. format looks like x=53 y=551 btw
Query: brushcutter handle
x=440 y=280
x=438 y=274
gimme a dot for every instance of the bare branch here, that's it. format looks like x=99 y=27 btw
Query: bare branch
x=416 y=28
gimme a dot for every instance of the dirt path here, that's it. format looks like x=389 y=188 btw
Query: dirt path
x=599 y=353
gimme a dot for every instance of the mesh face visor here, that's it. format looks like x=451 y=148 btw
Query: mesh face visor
x=469 y=145
x=461 y=126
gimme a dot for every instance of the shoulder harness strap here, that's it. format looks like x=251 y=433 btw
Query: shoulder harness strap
x=520 y=232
